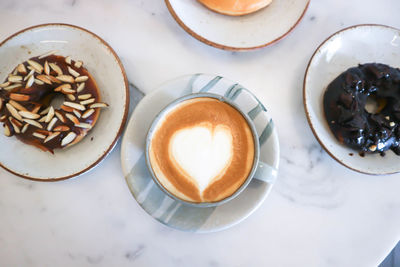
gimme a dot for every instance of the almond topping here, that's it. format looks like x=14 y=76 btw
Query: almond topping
x=30 y=81
x=84 y=97
x=77 y=113
x=18 y=123
x=84 y=125
x=99 y=105
x=4 y=84
x=14 y=78
x=67 y=91
x=42 y=119
x=80 y=87
x=66 y=78
x=7 y=131
x=13 y=86
x=36 y=108
x=3 y=118
x=63 y=86
x=46 y=68
x=68 y=60
x=68 y=139
x=39 y=82
x=53 y=79
x=51 y=136
x=61 y=128
x=29 y=115
x=13 y=112
x=1 y=103
x=78 y=64
x=45 y=111
x=29 y=75
x=21 y=69
x=44 y=78
x=15 y=126
x=51 y=124
x=44 y=132
x=72 y=118
x=17 y=105
x=71 y=97
x=19 y=97
x=60 y=116
x=33 y=123
x=66 y=109
x=25 y=128
x=50 y=115
x=74 y=105
x=87 y=102
x=36 y=66
x=38 y=135
x=48 y=54
x=56 y=68
x=87 y=113
x=73 y=72
x=81 y=79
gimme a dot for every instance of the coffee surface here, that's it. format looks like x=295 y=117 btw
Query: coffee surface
x=202 y=150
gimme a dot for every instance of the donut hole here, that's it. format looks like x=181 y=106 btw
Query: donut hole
x=375 y=105
x=57 y=100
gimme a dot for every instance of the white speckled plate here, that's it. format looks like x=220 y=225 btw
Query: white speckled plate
x=251 y=31
x=104 y=65
x=159 y=205
x=344 y=49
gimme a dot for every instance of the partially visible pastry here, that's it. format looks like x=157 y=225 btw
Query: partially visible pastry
x=235 y=7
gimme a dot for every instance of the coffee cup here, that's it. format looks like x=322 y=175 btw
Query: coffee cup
x=202 y=150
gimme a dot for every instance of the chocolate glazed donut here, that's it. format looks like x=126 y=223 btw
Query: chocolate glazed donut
x=26 y=107
x=344 y=104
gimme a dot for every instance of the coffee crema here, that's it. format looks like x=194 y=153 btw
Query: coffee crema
x=202 y=150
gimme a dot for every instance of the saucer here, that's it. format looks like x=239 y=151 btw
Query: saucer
x=255 y=30
x=103 y=63
x=344 y=49
x=159 y=205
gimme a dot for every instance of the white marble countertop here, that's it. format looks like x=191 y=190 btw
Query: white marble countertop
x=318 y=214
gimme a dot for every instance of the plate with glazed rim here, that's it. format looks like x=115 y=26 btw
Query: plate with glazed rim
x=106 y=68
x=261 y=28
x=158 y=204
x=366 y=43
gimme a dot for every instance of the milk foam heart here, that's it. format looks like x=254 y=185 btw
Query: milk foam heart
x=202 y=152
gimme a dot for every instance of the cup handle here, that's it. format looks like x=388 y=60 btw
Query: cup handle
x=265 y=173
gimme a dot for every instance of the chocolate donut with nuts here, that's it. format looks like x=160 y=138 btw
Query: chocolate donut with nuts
x=27 y=110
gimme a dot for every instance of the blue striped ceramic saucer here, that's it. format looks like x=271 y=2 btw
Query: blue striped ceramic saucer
x=157 y=203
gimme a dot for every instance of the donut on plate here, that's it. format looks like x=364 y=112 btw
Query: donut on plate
x=348 y=117
x=235 y=7
x=27 y=109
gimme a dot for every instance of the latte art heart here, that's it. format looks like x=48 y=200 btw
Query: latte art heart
x=202 y=152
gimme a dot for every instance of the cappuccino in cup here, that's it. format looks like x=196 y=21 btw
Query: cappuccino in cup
x=201 y=150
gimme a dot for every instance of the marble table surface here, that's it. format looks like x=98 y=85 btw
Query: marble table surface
x=318 y=214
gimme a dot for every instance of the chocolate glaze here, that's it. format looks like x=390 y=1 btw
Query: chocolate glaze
x=344 y=105
x=42 y=95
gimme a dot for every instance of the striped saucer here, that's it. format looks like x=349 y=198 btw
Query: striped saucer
x=163 y=208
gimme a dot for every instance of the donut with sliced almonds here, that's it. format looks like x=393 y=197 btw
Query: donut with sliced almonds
x=26 y=108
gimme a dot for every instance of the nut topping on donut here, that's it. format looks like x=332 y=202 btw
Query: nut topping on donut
x=56 y=68
x=66 y=78
x=29 y=113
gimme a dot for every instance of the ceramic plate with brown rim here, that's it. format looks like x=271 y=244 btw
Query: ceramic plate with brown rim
x=103 y=65
x=237 y=33
x=347 y=48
